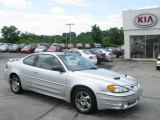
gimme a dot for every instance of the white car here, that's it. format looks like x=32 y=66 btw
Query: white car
x=86 y=54
x=109 y=55
x=158 y=62
x=40 y=49
x=74 y=79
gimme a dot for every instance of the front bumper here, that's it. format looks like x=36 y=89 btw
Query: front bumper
x=105 y=101
x=158 y=63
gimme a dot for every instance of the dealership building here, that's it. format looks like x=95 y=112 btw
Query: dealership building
x=142 y=33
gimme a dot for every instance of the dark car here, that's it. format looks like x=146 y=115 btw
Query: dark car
x=96 y=45
x=101 y=57
x=28 y=49
x=45 y=44
x=116 y=51
x=14 y=48
x=5 y=47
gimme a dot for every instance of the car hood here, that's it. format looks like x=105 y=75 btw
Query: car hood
x=107 y=76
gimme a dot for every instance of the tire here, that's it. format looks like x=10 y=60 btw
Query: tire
x=158 y=68
x=84 y=101
x=15 y=84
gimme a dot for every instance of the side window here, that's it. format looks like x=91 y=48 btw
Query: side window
x=30 y=60
x=47 y=62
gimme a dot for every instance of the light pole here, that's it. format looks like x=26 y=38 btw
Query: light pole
x=70 y=24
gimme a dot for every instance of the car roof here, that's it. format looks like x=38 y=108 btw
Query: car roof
x=52 y=53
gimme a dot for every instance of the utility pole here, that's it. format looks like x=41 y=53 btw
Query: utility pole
x=70 y=24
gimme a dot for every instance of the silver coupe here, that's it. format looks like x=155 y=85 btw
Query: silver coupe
x=74 y=79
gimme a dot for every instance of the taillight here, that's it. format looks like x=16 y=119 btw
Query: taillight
x=90 y=57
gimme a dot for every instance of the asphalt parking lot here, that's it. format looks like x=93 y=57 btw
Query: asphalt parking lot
x=34 y=106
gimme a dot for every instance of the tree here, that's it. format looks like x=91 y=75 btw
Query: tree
x=106 y=41
x=116 y=36
x=85 y=38
x=96 y=34
x=10 y=34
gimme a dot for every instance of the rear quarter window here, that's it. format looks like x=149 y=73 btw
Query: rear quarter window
x=30 y=60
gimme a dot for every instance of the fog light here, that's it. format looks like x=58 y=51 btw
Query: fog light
x=124 y=106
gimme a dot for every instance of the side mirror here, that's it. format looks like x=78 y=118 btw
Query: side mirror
x=58 y=68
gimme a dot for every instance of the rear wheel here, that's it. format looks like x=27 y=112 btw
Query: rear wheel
x=16 y=84
x=158 y=68
x=84 y=100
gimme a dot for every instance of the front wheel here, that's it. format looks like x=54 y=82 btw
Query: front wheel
x=15 y=84
x=84 y=100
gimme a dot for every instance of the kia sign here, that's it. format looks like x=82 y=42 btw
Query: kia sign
x=146 y=20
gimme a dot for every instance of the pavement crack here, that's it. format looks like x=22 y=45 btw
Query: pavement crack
x=153 y=98
x=75 y=116
x=47 y=112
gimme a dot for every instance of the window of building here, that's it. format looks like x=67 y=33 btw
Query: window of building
x=145 y=46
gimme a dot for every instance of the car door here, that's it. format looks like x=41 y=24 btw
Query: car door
x=25 y=70
x=46 y=80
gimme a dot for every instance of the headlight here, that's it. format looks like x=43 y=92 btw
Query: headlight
x=117 y=89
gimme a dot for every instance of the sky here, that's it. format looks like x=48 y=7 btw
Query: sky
x=49 y=17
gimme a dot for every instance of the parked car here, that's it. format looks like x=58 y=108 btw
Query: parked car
x=14 y=48
x=28 y=49
x=101 y=57
x=70 y=46
x=45 y=44
x=96 y=45
x=54 y=49
x=109 y=55
x=158 y=63
x=57 y=46
x=74 y=79
x=116 y=51
x=62 y=45
x=84 y=53
x=22 y=45
x=5 y=47
x=79 y=45
x=87 y=46
x=40 y=48
x=122 y=49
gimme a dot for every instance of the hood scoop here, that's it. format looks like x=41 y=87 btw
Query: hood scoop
x=117 y=78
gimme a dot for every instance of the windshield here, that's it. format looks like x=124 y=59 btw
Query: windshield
x=97 y=51
x=27 y=46
x=76 y=63
x=107 y=50
x=41 y=47
x=87 y=52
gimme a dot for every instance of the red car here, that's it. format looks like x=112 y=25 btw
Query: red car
x=28 y=49
x=54 y=49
